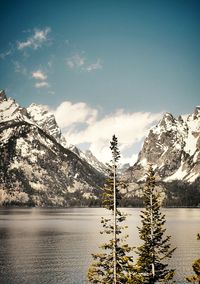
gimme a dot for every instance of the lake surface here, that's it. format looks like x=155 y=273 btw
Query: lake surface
x=55 y=245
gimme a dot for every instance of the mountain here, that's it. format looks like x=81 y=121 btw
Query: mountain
x=36 y=167
x=173 y=148
x=40 y=116
x=92 y=160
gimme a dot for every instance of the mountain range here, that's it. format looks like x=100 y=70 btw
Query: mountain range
x=38 y=167
x=173 y=148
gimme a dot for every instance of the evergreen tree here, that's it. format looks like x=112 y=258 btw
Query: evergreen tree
x=196 y=267
x=151 y=264
x=114 y=264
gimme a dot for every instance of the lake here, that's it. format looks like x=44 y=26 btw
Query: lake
x=55 y=245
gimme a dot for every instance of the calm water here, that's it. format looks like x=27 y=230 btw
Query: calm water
x=55 y=245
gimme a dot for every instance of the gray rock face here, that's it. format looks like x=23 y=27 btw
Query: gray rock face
x=173 y=148
x=40 y=115
x=2 y=95
x=35 y=166
x=92 y=160
x=46 y=121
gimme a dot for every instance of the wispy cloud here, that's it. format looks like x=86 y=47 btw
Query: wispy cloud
x=51 y=92
x=94 y=66
x=20 y=68
x=6 y=53
x=36 y=40
x=43 y=84
x=39 y=75
x=78 y=61
x=81 y=124
x=75 y=61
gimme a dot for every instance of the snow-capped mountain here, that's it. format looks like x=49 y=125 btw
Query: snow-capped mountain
x=173 y=148
x=38 y=167
x=10 y=110
x=40 y=115
x=92 y=160
x=35 y=167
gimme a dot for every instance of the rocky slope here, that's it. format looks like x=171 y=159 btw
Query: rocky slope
x=40 y=116
x=173 y=148
x=36 y=167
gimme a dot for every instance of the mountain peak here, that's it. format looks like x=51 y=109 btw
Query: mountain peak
x=197 y=111
x=167 y=120
x=36 y=166
x=45 y=120
x=168 y=117
x=173 y=148
x=2 y=95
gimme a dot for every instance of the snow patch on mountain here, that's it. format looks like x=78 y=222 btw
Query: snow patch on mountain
x=45 y=120
x=173 y=148
x=178 y=175
x=37 y=168
x=92 y=160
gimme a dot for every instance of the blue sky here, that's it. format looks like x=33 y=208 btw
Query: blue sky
x=117 y=58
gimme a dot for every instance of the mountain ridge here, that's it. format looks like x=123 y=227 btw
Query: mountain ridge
x=36 y=169
x=172 y=147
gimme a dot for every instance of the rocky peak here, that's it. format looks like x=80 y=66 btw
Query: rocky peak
x=74 y=149
x=35 y=166
x=197 y=112
x=180 y=119
x=88 y=153
x=10 y=110
x=45 y=120
x=172 y=146
x=92 y=160
x=167 y=121
x=2 y=95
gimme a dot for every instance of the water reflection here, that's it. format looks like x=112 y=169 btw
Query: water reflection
x=55 y=245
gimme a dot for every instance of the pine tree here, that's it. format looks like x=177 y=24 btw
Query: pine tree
x=151 y=264
x=114 y=264
x=196 y=267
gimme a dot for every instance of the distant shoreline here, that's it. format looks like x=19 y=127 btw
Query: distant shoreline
x=79 y=207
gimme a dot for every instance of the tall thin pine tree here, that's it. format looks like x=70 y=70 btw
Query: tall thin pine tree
x=114 y=264
x=151 y=265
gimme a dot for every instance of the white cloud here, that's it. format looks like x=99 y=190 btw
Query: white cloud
x=68 y=114
x=78 y=61
x=41 y=79
x=43 y=84
x=80 y=124
x=75 y=61
x=129 y=160
x=36 y=40
x=39 y=75
x=94 y=66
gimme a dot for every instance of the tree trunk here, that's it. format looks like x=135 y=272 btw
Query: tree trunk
x=114 y=227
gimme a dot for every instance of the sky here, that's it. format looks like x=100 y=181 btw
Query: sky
x=102 y=67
